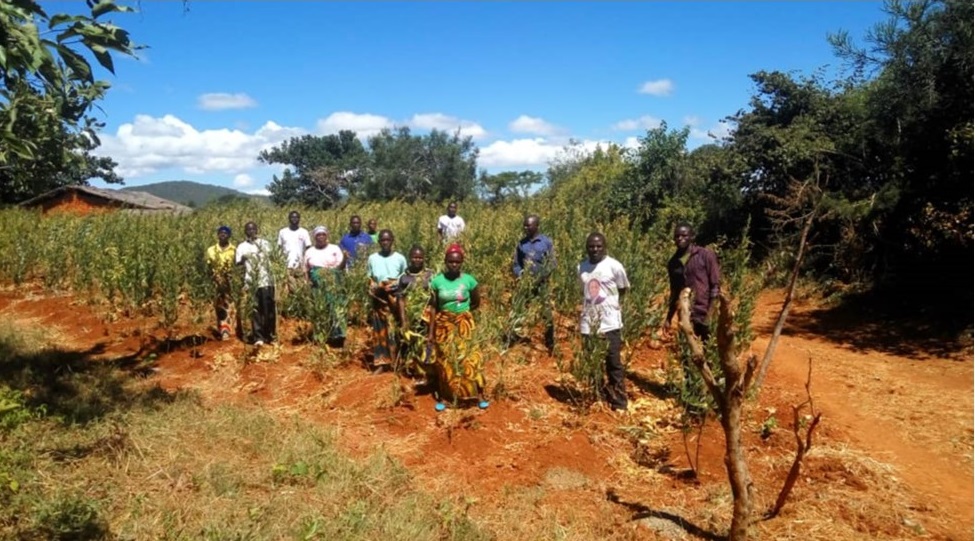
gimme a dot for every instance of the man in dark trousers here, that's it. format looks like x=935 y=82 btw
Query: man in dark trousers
x=697 y=268
x=535 y=261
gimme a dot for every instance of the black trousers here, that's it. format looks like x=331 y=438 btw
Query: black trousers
x=615 y=372
x=702 y=330
x=264 y=318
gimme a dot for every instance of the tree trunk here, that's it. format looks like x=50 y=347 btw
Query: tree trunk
x=786 y=304
x=738 y=475
x=729 y=398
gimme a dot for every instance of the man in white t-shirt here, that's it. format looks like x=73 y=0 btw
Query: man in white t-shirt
x=604 y=285
x=450 y=225
x=294 y=240
x=255 y=255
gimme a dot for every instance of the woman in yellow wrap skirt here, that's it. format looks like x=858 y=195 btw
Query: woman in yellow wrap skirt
x=457 y=366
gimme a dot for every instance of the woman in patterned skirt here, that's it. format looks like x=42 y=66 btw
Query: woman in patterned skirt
x=415 y=314
x=457 y=366
x=385 y=268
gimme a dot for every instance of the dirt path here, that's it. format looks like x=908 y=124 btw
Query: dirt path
x=914 y=413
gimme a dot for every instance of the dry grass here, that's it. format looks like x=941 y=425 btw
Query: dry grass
x=844 y=494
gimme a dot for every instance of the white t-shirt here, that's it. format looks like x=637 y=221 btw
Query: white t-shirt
x=450 y=227
x=328 y=257
x=257 y=260
x=601 y=284
x=294 y=243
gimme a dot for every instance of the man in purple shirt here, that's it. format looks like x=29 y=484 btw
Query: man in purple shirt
x=535 y=260
x=697 y=268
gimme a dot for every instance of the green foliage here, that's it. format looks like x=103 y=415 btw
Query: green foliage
x=881 y=159
x=326 y=169
x=657 y=173
x=507 y=185
x=580 y=184
x=433 y=167
x=397 y=165
x=48 y=89
x=920 y=107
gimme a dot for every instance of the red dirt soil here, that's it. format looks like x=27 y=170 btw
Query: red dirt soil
x=892 y=458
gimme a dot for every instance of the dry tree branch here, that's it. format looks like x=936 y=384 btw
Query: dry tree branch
x=802 y=447
x=729 y=397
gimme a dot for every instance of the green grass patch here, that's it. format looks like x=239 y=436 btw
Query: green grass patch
x=88 y=451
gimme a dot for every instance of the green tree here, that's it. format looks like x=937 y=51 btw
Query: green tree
x=47 y=92
x=324 y=169
x=657 y=174
x=433 y=167
x=799 y=132
x=920 y=106
x=507 y=185
x=583 y=183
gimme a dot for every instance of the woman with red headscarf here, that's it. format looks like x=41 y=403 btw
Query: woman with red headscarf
x=457 y=364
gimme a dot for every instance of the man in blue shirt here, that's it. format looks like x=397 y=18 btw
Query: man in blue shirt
x=352 y=240
x=534 y=262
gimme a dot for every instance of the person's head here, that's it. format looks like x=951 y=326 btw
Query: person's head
x=683 y=236
x=417 y=259
x=355 y=224
x=294 y=219
x=371 y=225
x=385 y=241
x=250 y=230
x=454 y=259
x=530 y=225
x=452 y=209
x=596 y=247
x=321 y=236
x=223 y=234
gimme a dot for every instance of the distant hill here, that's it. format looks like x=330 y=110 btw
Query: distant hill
x=192 y=194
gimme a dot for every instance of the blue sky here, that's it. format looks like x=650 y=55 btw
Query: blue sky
x=224 y=80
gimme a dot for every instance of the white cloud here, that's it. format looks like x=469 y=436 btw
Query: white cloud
x=530 y=153
x=219 y=101
x=149 y=144
x=440 y=121
x=660 y=87
x=364 y=125
x=717 y=132
x=691 y=121
x=243 y=180
x=645 y=122
x=518 y=153
x=533 y=125
x=261 y=191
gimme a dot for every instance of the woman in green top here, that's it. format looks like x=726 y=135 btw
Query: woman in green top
x=457 y=364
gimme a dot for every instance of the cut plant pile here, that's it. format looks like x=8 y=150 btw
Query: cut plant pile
x=892 y=458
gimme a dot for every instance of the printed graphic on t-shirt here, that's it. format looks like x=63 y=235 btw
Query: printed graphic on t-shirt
x=595 y=291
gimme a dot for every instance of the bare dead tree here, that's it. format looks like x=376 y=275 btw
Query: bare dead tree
x=802 y=206
x=802 y=445
x=729 y=397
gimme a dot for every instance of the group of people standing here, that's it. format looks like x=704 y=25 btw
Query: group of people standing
x=432 y=314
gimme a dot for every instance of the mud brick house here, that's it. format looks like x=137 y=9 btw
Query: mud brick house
x=88 y=200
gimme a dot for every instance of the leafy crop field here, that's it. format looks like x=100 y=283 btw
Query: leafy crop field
x=123 y=419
